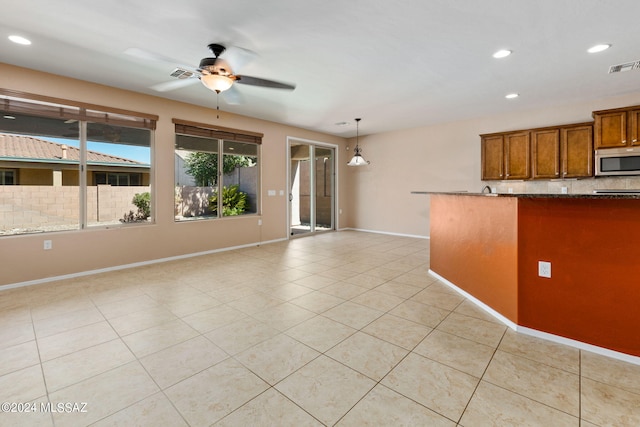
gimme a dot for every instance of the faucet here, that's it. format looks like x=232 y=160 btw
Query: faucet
x=487 y=188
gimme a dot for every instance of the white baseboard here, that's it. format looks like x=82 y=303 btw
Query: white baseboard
x=132 y=265
x=539 y=334
x=386 y=232
x=476 y=301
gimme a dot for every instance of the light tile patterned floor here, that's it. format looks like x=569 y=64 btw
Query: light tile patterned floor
x=342 y=328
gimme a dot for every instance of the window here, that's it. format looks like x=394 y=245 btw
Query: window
x=7 y=177
x=117 y=179
x=210 y=161
x=78 y=165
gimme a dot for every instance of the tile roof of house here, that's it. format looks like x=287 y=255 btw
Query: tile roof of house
x=27 y=147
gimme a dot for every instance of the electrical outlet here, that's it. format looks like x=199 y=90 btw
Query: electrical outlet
x=564 y=190
x=47 y=245
x=544 y=269
x=510 y=190
x=259 y=221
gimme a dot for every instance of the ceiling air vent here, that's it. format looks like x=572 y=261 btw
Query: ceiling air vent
x=635 y=65
x=181 y=73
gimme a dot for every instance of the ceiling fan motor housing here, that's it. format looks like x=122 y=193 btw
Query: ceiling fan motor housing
x=208 y=63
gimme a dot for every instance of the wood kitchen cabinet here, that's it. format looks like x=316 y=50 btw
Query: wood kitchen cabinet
x=576 y=144
x=506 y=156
x=562 y=152
x=545 y=153
x=492 y=157
x=617 y=128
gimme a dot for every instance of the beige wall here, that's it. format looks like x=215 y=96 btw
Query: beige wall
x=35 y=176
x=443 y=157
x=23 y=258
x=376 y=197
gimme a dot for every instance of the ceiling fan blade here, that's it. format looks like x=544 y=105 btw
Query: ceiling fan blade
x=173 y=84
x=238 y=57
x=151 y=56
x=256 y=81
x=232 y=96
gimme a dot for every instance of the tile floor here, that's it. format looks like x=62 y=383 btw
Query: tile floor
x=344 y=328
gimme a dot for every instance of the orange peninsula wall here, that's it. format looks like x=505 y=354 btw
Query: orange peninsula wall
x=490 y=248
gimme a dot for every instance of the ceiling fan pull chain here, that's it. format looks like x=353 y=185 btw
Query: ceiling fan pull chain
x=217 y=104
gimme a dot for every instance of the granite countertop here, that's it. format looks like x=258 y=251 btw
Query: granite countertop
x=621 y=195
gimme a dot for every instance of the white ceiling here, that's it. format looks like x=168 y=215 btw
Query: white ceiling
x=397 y=64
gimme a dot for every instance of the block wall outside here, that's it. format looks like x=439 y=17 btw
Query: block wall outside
x=192 y=201
x=33 y=207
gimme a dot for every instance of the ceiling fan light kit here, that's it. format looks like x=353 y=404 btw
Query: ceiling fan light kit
x=357 y=159
x=216 y=82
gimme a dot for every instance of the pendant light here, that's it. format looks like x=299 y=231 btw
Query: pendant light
x=357 y=159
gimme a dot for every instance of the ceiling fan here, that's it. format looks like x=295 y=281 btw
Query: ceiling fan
x=216 y=73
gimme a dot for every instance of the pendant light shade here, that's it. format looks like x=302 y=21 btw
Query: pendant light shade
x=357 y=159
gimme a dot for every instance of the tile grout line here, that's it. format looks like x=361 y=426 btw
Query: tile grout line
x=44 y=378
x=495 y=350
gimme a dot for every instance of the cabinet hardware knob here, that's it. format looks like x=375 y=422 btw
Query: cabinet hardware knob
x=635 y=140
x=624 y=141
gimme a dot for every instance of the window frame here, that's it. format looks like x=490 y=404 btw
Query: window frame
x=221 y=135
x=40 y=106
x=3 y=174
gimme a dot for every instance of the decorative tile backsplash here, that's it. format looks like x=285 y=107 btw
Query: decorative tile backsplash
x=573 y=186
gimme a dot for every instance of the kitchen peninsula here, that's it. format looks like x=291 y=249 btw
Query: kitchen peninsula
x=490 y=246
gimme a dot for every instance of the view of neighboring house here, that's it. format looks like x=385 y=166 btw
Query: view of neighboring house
x=26 y=160
x=40 y=182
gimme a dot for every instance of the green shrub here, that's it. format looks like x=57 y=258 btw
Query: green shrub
x=143 y=202
x=234 y=201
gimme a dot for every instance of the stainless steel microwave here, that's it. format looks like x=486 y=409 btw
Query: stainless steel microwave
x=618 y=161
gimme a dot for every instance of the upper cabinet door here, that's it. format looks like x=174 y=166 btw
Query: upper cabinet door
x=577 y=151
x=517 y=155
x=492 y=157
x=545 y=154
x=610 y=129
x=634 y=126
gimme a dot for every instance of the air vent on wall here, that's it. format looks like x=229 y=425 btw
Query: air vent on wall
x=635 y=65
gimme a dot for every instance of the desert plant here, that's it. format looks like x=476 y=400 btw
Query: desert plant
x=143 y=202
x=234 y=201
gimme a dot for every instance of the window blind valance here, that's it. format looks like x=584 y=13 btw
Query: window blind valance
x=16 y=102
x=185 y=127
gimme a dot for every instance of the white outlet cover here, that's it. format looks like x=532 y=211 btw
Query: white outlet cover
x=544 y=269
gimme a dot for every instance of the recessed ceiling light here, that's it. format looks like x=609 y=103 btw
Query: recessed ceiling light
x=512 y=95
x=598 y=48
x=342 y=124
x=20 y=40
x=503 y=53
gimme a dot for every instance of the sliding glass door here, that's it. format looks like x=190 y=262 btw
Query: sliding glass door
x=311 y=188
